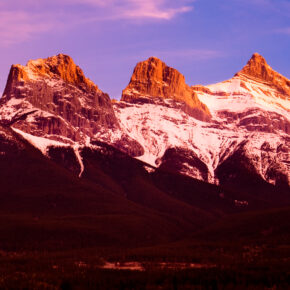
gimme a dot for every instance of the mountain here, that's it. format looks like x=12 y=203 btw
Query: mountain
x=153 y=78
x=226 y=133
x=258 y=69
x=234 y=132
x=44 y=205
x=247 y=138
x=51 y=103
x=52 y=98
x=54 y=167
x=119 y=201
x=170 y=173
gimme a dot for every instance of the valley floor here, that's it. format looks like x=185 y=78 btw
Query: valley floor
x=213 y=258
x=237 y=267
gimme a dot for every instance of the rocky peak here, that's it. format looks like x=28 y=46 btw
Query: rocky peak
x=153 y=78
x=60 y=66
x=160 y=78
x=52 y=97
x=258 y=68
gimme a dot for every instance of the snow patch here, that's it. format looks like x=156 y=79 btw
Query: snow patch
x=39 y=142
x=149 y=169
x=232 y=96
x=79 y=158
x=158 y=127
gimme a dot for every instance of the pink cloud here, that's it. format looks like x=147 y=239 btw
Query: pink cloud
x=21 y=21
x=138 y=9
x=18 y=26
x=153 y=9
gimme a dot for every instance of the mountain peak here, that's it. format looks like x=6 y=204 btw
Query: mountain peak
x=153 y=78
x=257 y=68
x=257 y=57
x=60 y=66
x=154 y=59
x=52 y=97
x=51 y=64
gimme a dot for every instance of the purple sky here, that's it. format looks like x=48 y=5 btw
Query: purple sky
x=206 y=40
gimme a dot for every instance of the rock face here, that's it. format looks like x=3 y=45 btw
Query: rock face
x=257 y=68
x=184 y=161
x=153 y=78
x=52 y=98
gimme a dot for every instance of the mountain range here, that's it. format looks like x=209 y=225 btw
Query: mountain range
x=165 y=161
x=193 y=130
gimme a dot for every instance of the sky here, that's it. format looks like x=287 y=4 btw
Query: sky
x=208 y=41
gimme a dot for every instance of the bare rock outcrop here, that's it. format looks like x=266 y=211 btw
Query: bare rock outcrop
x=153 y=78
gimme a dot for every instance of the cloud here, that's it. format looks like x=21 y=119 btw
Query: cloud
x=21 y=20
x=154 y=9
x=18 y=26
x=138 y=9
x=111 y=9
x=156 y=13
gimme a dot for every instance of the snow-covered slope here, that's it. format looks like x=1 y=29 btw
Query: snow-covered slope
x=241 y=93
x=249 y=115
x=52 y=105
x=158 y=127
